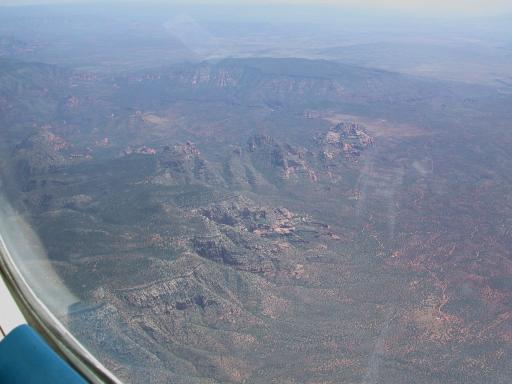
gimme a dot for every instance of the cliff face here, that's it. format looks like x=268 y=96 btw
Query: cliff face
x=183 y=164
x=283 y=159
x=263 y=161
x=280 y=84
x=346 y=140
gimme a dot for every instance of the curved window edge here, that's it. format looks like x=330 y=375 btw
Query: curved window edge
x=48 y=326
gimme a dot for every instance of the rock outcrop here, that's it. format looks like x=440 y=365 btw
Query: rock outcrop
x=345 y=140
x=183 y=164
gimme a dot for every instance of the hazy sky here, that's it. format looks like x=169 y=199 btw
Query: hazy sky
x=437 y=6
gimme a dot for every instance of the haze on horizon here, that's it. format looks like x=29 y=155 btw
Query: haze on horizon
x=454 y=7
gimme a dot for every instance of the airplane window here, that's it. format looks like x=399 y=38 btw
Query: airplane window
x=263 y=192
